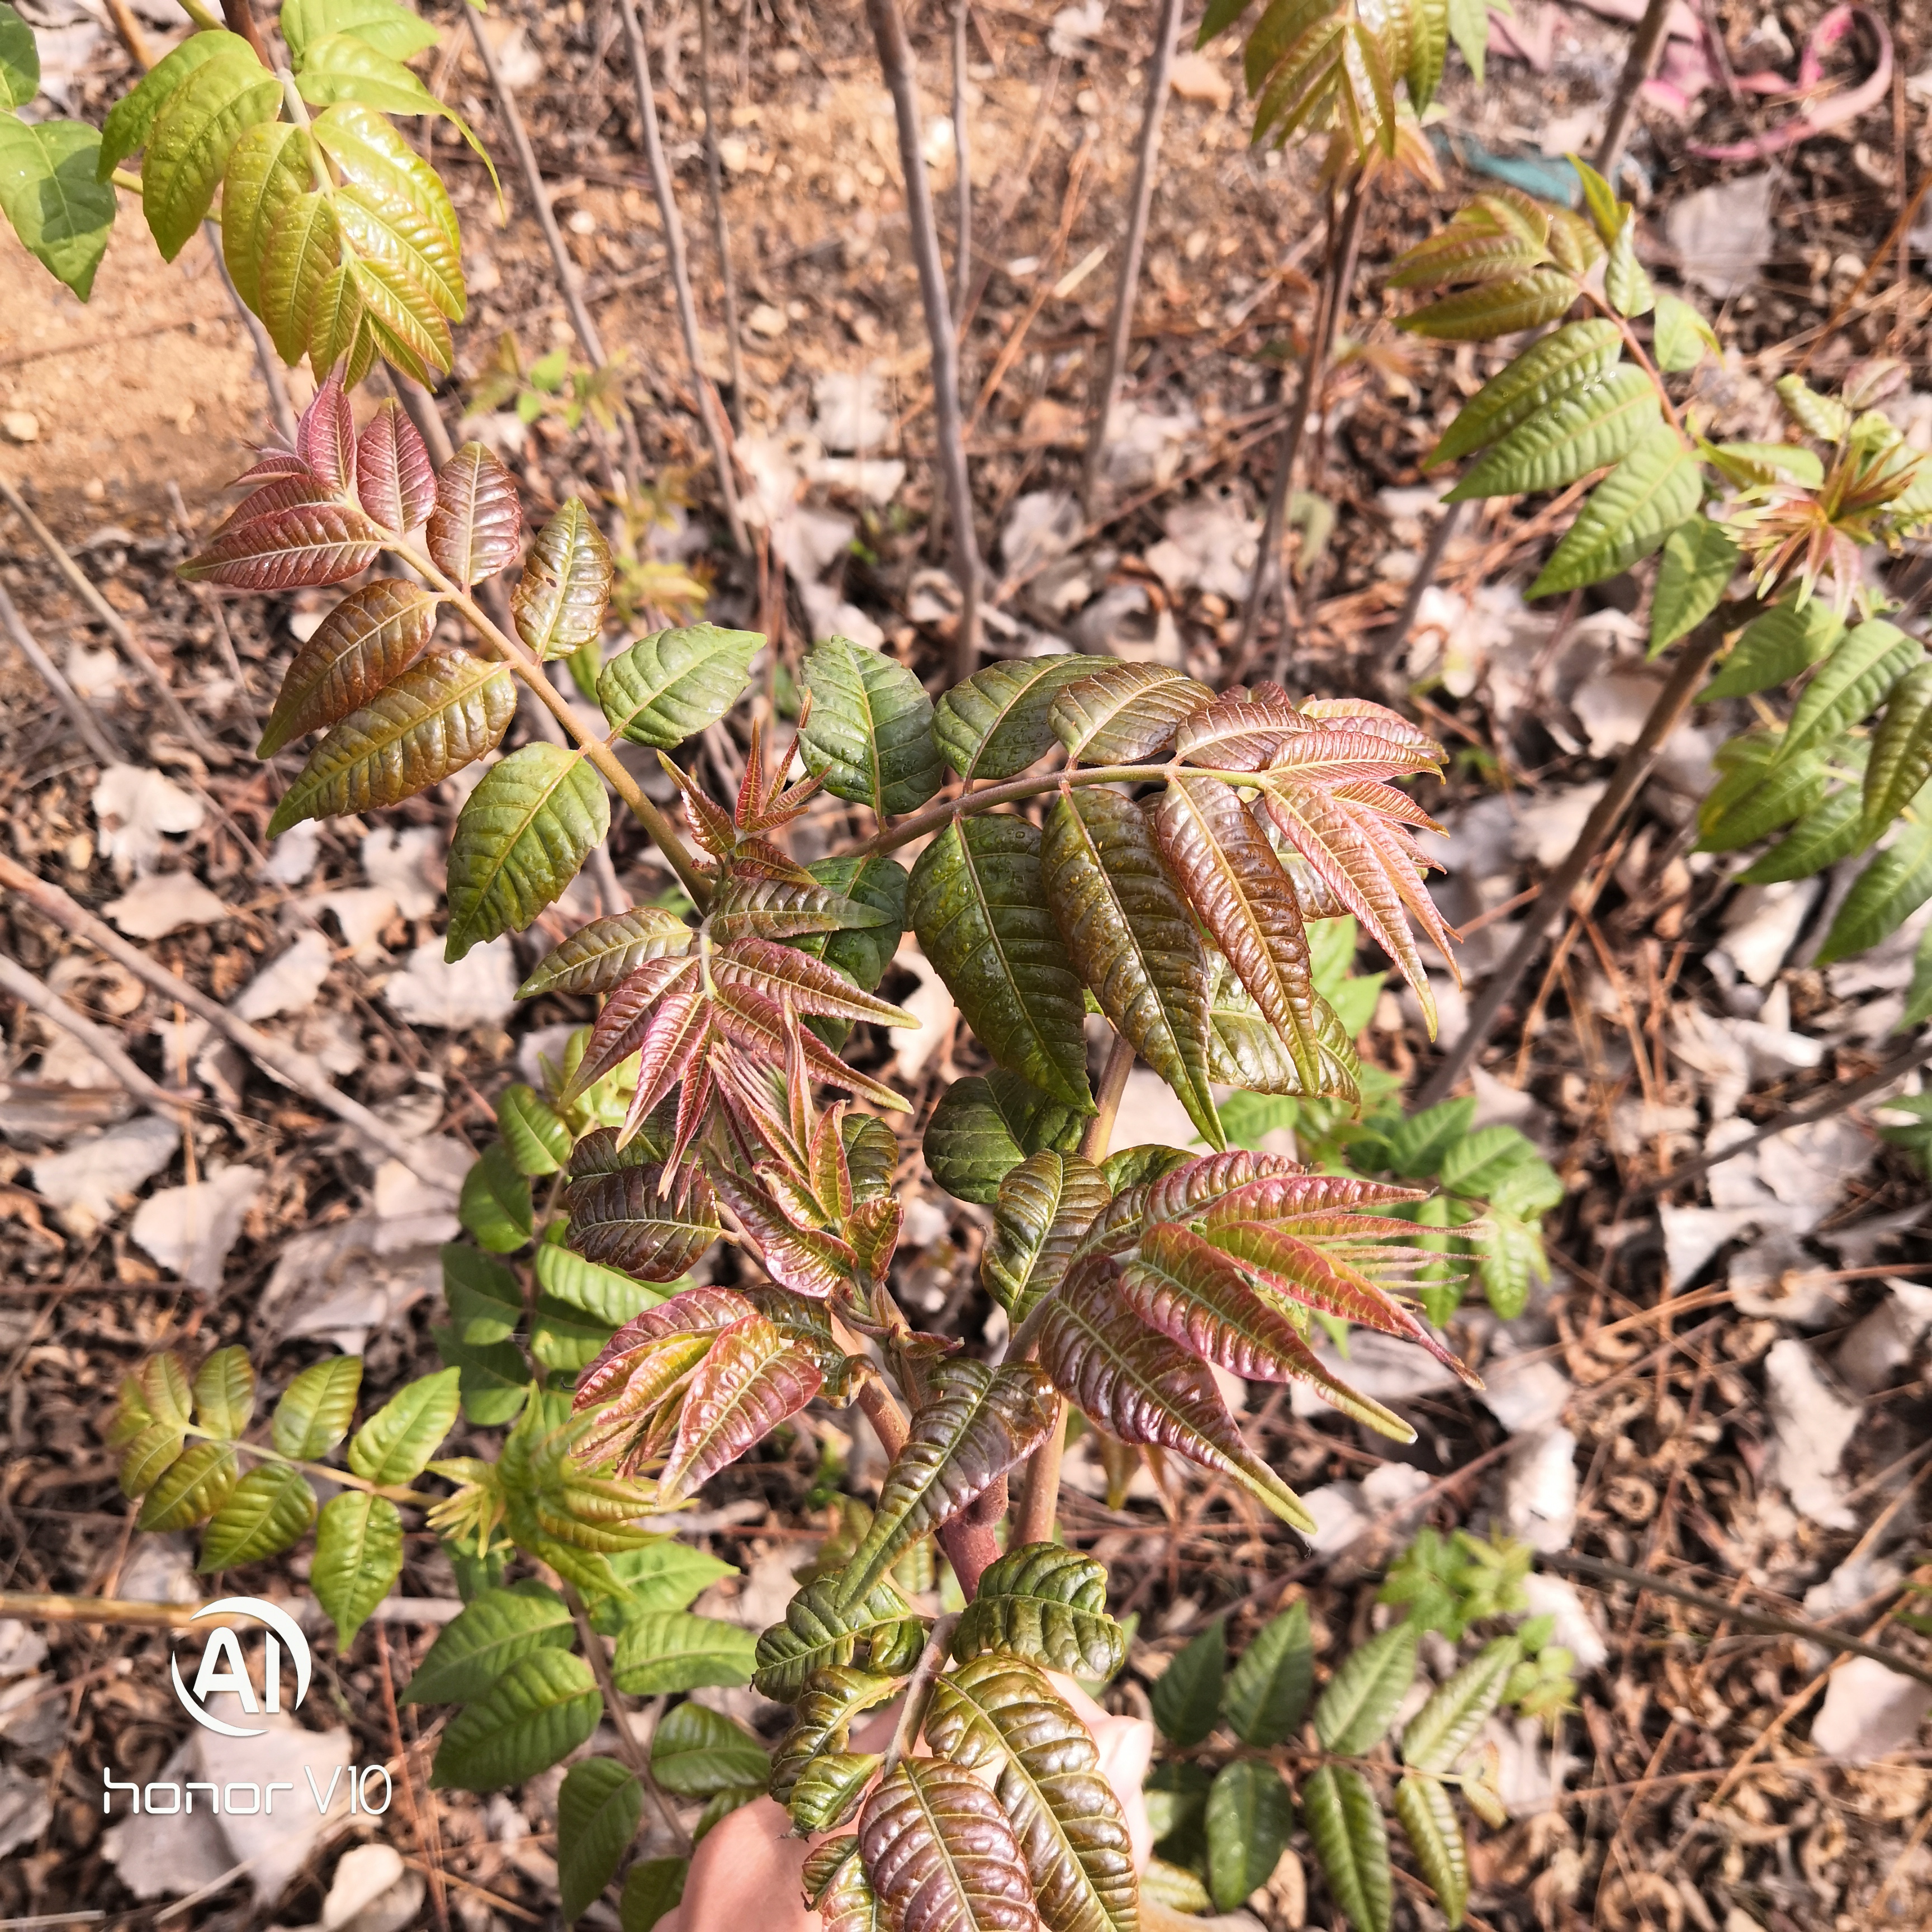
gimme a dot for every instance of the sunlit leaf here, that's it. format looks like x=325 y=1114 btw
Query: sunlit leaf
x=359 y=1555
x=476 y=528
x=542 y=1706
x=996 y=722
x=667 y=687
x=1628 y=515
x=367 y=642
x=558 y=605
x=933 y=1834
x=1123 y=712
x=753 y=1377
x=870 y=733
x=1044 y=1205
x=1045 y=1602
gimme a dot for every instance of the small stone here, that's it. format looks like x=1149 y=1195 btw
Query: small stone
x=21 y=426
x=766 y=320
x=582 y=222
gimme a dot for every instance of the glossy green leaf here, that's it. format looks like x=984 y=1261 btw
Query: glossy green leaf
x=540 y=1707
x=19 y=60
x=489 y=1634
x=193 y=1486
x=822 y=1721
x=1574 y=357
x=388 y=27
x=1250 y=1816
x=660 y=1650
x=603 y=1294
x=359 y=1555
x=224 y=1393
x=598 y=1808
x=1124 y=712
x=652 y=1887
x=831 y=1788
x=1857 y=677
x=598 y=956
x=998 y=1715
x=558 y=605
x=975 y=1423
x=1045 y=1602
x=51 y=192
x=132 y=117
x=346 y=68
x=315 y=1409
x=667 y=687
x=397 y=1442
x=1186 y=1697
x=1901 y=750
x=870 y=734
x=1826 y=834
x=1044 y=1206
x=1446 y=1726
x=1132 y=939
x=881 y=1633
x=269 y=1509
x=996 y=722
x=189 y=141
x=1628 y=515
x=1267 y=1690
x=1626 y=287
x=696 y=1751
x=1896 y=883
x=1775 y=647
x=933 y=1833
x=982 y=1129
x=861 y=953
x=1496 y=308
x=1699 y=560
x=1755 y=798
x=493 y=1377
x=533 y=1131
x=442 y=713
x=521 y=839
x=1578 y=432
x=1436 y=1836
x=494 y=1205
x=1361 y=1698
x=1345 y=1820
x=1680 y=337
x=976 y=900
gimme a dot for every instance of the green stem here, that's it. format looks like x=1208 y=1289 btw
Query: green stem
x=343 y=1478
x=663 y=834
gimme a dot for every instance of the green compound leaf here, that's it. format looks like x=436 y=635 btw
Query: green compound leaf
x=533 y=1133
x=1186 y=1698
x=367 y=641
x=1824 y=834
x=1267 y=1690
x=521 y=837
x=598 y=1808
x=444 y=713
x=543 y=1705
x=1250 y=1816
x=1429 y=1820
x=193 y=1488
x=1871 y=659
x=1362 y=1697
x=51 y=192
x=1887 y=893
x=485 y=1638
x=189 y=140
x=1699 y=560
x=1044 y=1206
x=1579 y=432
x=661 y=1651
x=493 y=1377
x=669 y=686
x=652 y=1887
x=982 y=1129
x=696 y=1752
x=317 y=1409
x=397 y=1441
x=224 y=1393
x=494 y=1206
x=882 y=1633
x=608 y=1297
x=1577 y=355
x=359 y=1555
x=1901 y=751
x=1445 y=1727
x=1124 y=712
x=1779 y=645
x=997 y=722
x=558 y=605
x=389 y=28
x=1132 y=939
x=1497 y=308
x=269 y=1509
x=1046 y=1602
x=1338 y=1805
x=976 y=1423
x=976 y=900
x=870 y=733
x=1628 y=515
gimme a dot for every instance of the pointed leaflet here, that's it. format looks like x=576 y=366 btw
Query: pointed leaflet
x=269 y=169
x=999 y=1716
x=270 y=1508
x=1123 y=712
x=1186 y=1700
x=669 y=686
x=317 y=1408
x=495 y=1628
x=982 y=1129
x=477 y=525
x=1859 y=673
x=193 y=1487
x=786 y=973
x=975 y=1423
x=1142 y=1388
x=805 y=1260
x=370 y=639
x=1047 y=1603
x=1776 y=645
x=1345 y=1819
x=1247 y=900
x=132 y=117
x=665 y=1651
x=753 y=1377
x=1249 y=1817
x=697 y=1752
x=558 y=604
x=542 y=1708
x=653 y=993
x=644 y=1363
x=1446 y=1726
x=520 y=838
x=359 y=1555
x=1132 y=939
x=1497 y=308
x=882 y=1631
x=598 y=1810
x=1628 y=515
x=941 y=1855
x=976 y=900
x=1887 y=893
x=869 y=734
x=188 y=145
x=996 y=723
x=1901 y=750
x=1578 y=353
x=302 y=545
x=1185 y=1288
x=752 y=903
x=1045 y=1205
x=50 y=192
x=394 y=477
x=621 y=1220
x=1698 y=562
x=444 y=713
x=597 y=956
x=1436 y=1836
x=1362 y=1697
x=224 y=1393
x=1583 y=430
x=822 y=1719
x=1267 y=1693
x=751 y=1021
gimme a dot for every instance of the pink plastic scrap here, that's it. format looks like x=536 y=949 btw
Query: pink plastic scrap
x=1825 y=110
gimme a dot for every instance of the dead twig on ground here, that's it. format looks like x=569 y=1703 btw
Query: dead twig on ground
x=93 y=730
x=16 y=979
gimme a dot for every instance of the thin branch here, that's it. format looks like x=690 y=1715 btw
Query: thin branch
x=241 y=18
x=1633 y=769
x=15 y=978
x=294 y=1068
x=1160 y=74
x=1835 y=1100
x=280 y=409
x=714 y=178
x=136 y=651
x=930 y=817
x=919 y=1692
x=432 y=1864
x=1594 y=1570
x=1393 y=639
x=895 y=60
x=1644 y=48
x=962 y=192
x=93 y=731
x=708 y=406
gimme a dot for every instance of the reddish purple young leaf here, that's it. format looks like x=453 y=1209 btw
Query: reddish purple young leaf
x=941 y=1854
x=698 y=1311
x=393 y=475
x=476 y=529
x=373 y=636
x=755 y=1378
x=304 y=546
x=272 y=463
x=808 y=1260
x=622 y=1221
x=326 y=436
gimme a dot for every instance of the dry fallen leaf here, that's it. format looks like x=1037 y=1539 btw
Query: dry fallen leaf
x=289 y=983
x=478 y=990
x=190 y=1230
x=163 y=902
x=88 y=1183
x=137 y=810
